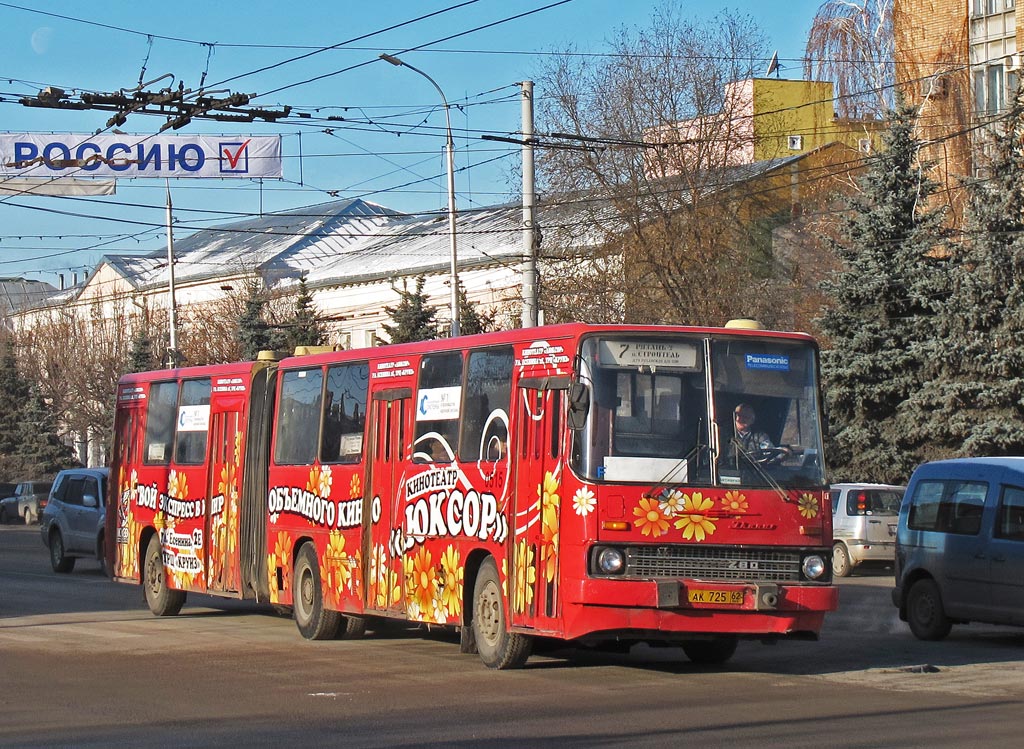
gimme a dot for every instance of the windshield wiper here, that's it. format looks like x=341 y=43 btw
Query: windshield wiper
x=768 y=479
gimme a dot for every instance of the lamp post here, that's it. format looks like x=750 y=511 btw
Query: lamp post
x=451 y=189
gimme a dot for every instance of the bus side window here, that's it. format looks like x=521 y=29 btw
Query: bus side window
x=193 y=422
x=486 y=405
x=298 y=417
x=163 y=406
x=344 y=413
x=439 y=403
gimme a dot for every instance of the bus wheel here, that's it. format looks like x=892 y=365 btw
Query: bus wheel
x=314 y=621
x=498 y=647
x=162 y=600
x=925 y=614
x=351 y=627
x=710 y=652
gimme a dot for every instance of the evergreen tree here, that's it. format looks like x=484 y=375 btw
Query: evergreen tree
x=14 y=391
x=413 y=318
x=471 y=320
x=141 y=357
x=973 y=403
x=254 y=334
x=42 y=453
x=306 y=327
x=884 y=302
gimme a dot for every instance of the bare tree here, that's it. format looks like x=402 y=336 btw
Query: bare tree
x=75 y=356
x=851 y=44
x=653 y=183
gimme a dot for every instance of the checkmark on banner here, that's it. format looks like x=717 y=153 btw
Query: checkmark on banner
x=233 y=157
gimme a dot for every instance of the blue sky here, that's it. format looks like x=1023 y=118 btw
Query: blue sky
x=128 y=39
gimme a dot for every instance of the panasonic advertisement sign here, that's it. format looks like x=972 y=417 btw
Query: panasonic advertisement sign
x=140 y=156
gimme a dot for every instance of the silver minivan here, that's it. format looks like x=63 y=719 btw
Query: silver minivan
x=960 y=545
x=864 y=525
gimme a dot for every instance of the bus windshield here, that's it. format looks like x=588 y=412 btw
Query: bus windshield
x=719 y=410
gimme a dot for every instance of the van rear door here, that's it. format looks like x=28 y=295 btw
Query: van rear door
x=881 y=513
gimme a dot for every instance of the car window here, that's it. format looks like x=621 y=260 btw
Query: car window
x=835 y=500
x=61 y=488
x=89 y=486
x=73 y=492
x=947 y=506
x=1010 y=521
x=873 y=502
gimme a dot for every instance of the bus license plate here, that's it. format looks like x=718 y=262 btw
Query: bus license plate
x=711 y=595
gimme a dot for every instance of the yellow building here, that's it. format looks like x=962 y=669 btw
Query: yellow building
x=761 y=119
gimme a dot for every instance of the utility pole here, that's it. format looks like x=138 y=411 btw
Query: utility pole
x=529 y=319
x=172 y=321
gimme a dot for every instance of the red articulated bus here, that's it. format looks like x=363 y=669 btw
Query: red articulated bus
x=583 y=483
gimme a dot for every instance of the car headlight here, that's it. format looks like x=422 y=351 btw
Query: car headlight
x=813 y=567
x=610 y=561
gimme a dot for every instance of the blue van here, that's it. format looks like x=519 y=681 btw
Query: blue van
x=960 y=545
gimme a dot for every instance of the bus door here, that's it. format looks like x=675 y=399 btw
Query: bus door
x=222 y=509
x=382 y=535
x=534 y=556
x=121 y=491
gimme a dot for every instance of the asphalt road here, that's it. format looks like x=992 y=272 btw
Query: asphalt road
x=83 y=663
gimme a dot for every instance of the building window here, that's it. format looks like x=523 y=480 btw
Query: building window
x=994 y=85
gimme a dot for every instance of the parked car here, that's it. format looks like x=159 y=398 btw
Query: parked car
x=29 y=499
x=9 y=509
x=960 y=545
x=864 y=525
x=72 y=521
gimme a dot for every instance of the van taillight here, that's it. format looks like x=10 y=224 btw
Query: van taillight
x=862 y=502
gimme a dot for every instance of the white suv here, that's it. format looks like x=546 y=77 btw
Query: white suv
x=72 y=521
x=864 y=518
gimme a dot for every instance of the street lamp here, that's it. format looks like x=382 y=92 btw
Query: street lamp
x=451 y=189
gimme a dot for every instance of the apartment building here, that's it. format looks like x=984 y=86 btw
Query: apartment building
x=958 y=60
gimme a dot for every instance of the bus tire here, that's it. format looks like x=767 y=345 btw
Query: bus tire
x=162 y=600
x=498 y=648
x=351 y=627
x=59 y=559
x=710 y=652
x=313 y=620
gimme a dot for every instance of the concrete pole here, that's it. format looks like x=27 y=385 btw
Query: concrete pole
x=172 y=350
x=529 y=201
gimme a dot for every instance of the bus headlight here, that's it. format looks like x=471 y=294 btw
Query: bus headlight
x=610 y=561
x=813 y=567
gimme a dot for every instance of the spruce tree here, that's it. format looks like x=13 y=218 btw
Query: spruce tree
x=254 y=334
x=14 y=391
x=42 y=453
x=306 y=327
x=141 y=357
x=471 y=320
x=413 y=318
x=973 y=403
x=884 y=301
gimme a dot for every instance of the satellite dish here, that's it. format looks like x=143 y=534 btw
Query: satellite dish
x=773 y=65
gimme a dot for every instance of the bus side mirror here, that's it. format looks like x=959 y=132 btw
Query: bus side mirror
x=579 y=405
